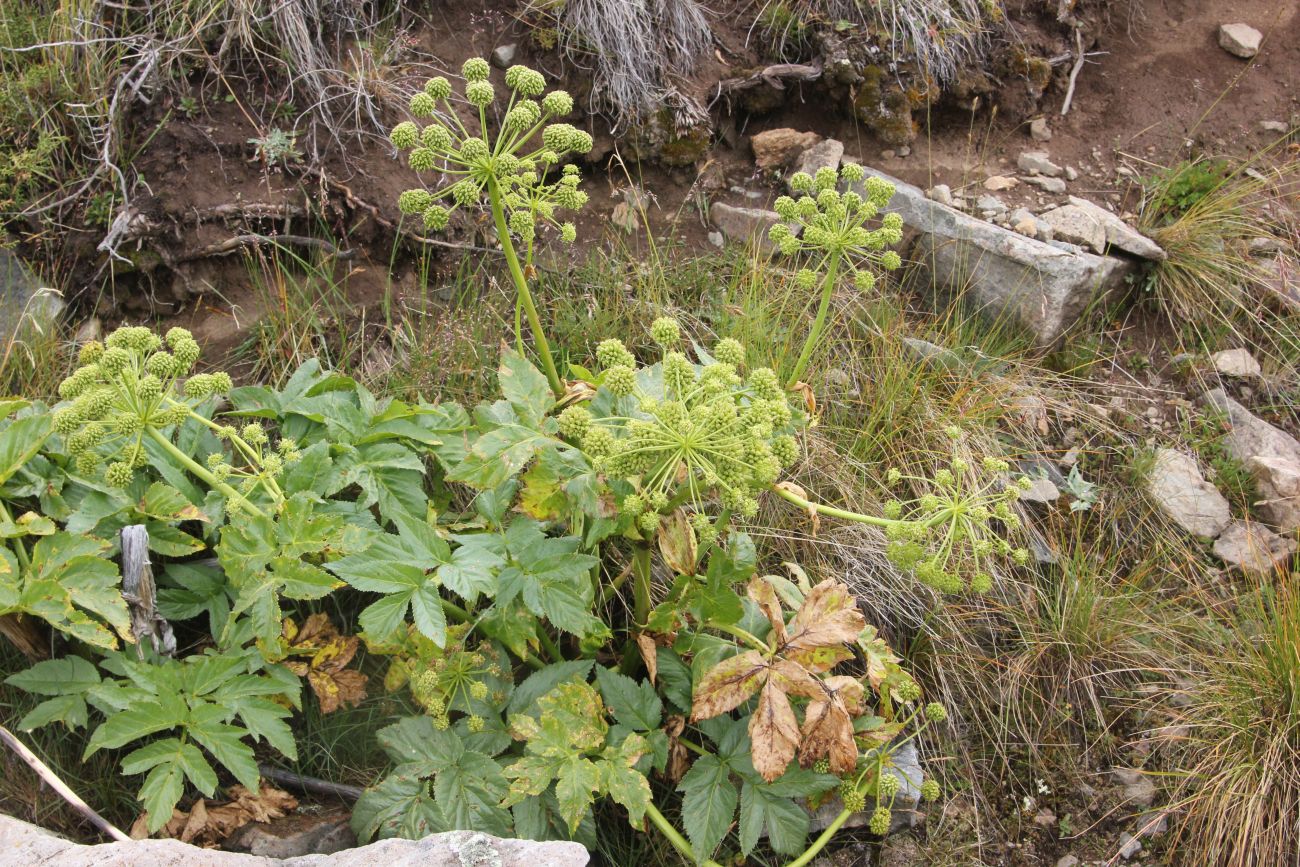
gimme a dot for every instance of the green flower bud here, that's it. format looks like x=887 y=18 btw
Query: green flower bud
x=119 y=474
x=805 y=279
x=480 y=93
x=865 y=281
x=475 y=69
x=114 y=361
x=414 y=201
x=529 y=82
x=729 y=351
x=575 y=422
x=801 y=182
x=404 y=135
x=881 y=819
x=557 y=103
x=422 y=159
x=936 y=712
x=598 y=442
x=438 y=87
x=648 y=522
x=436 y=218
x=149 y=387
x=86 y=463
x=890 y=260
x=90 y=352
x=851 y=172
x=612 y=352
x=568 y=233
x=558 y=136
x=422 y=105
x=465 y=193
x=887 y=786
x=665 y=331
x=930 y=790
x=161 y=364
x=254 y=434
x=620 y=380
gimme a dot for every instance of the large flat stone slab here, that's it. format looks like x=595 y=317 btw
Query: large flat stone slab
x=1007 y=276
x=24 y=845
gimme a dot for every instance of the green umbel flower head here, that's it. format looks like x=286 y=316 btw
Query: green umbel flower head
x=508 y=165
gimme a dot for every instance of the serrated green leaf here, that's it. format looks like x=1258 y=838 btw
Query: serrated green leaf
x=400 y=806
x=635 y=705
x=265 y=719
x=496 y=456
x=426 y=611
x=160 y=793
x=524 y=386
x=542 y=681
x=70 y=675
x=20 y=441
x=576 y=783
x=417 y=746
x=474 y=565
x=132 y=724
x=469 y=794
x=763 y=812
x=708 y=804
x=68 y=709
x=225 y=743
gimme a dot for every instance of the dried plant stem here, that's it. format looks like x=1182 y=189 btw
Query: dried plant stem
x=52 y=780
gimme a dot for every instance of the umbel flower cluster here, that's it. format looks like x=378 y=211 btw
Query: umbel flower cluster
x=126 y=387
x=510 y=167
x=833 y=226
x=459 y=681
x=951 y=527
x=698 y=432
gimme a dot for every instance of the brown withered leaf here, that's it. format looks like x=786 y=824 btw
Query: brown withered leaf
x=208 y=825
x=828 y=620
x=678 y=760
x=677 y=543
x=828 y=725
x=878 y=655
x=649 y=655
x=764 y=594
x=728 y=684
x=809 y=397
x=773 y=731
x=326 y=670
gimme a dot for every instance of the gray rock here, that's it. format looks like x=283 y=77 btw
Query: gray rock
x=824 y=154
x=1041 y=491
x=1240 y=40
x=1128 y=845
x=1039 y=130
x=1236 y=362
x=907 y=768
x=743 y=225
x=1008 y=276
x=1076 y=225
x=1153 y=825
x=1038 y=163
x=27 y=306
x=716 y=239
x=1176 y=487
x=990 y=205
x=1056 y=186
x=1120 y=234
x=1272 y=455
x=1138 y=788
x=1067 y=861
x=91 y=329
x=1273 y=126
x=1071 y=173
x=22 y=845
x=1280 y=282
x=1027 y=223
x=504 y=55
x=940 y=193
x=1277 y=480
x=1253 y=548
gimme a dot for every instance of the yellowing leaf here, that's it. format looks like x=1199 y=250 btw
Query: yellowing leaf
x=677 y=543
x=333 y=683
x=828 y=725
x=828 y=620
x=774 y=732
x=727 y=685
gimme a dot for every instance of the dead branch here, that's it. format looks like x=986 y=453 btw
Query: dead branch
x=309 y=784
x=239 y=242
x=24 y=634
x=773 y=76
x=52 y=780
x=138 y=591
x=1074 y=73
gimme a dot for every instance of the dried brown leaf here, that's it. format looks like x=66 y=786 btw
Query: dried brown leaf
x=677 y=543
x=828 y=725
x=764 y=594
x=209 y=825
x=773 y=732
x=335 y=686
x=649 y=655
x=727 y=685
x=828 y=620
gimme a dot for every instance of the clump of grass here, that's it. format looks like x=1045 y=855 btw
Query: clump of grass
x=33 y=358
x=633 y=48
x=1205 y=216
x=1237 y=736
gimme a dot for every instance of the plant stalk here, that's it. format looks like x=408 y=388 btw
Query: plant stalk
x=202 y=472
x=521 y=286
x=673 y=836
x=641 y=583
x=820 y=843
x=828 y=289
x=831 y=511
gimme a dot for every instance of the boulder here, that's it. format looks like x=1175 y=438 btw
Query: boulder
x=1009 y=277
x=22 y=844
x=1177 y=489
x=1240 y=40
x=825 y=154
x=1238 y=363
x=1271 y=454
x=1254 y=549
x=27 y=305
x=907 y=768
x=1138 y=788
x=1119 y=234
x=743 y=225
x=776 y=148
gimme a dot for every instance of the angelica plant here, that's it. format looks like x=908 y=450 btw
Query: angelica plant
x=830 y=232
x=509 y=165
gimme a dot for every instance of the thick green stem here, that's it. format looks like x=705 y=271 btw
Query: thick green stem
x=828 y=289
x=202 y=472
x=831 y=511
x=641 y=583
x=521 y=286
x=821 y=841
x=19 y=551
x=673 y=836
